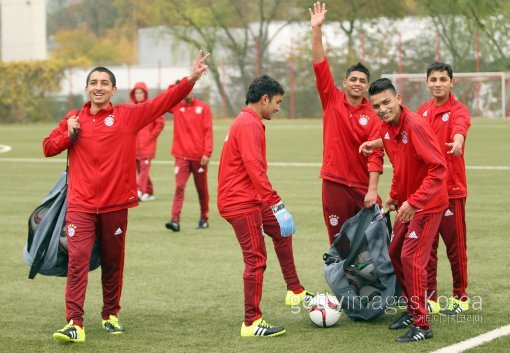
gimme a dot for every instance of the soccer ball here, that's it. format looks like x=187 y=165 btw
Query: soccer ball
x=324 y=310
x=365 y=267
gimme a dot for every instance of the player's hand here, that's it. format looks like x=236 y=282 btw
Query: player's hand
x=367 y=147
x=318 y=14
x=287 y=225
x=73 y=127
x=204 y=160
x=370 y=198
x=456 y=148
x=390 y=204
x=199 y=67
x=405 y=213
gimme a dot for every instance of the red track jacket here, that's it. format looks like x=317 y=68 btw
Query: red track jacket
x=193 y=136
x=102 y=163
x=243 y=185
x=345 y=128
x=447 y=120
x=147 y=138
x=419 y=168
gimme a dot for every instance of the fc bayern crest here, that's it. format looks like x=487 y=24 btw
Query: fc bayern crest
x=363 y=120
x=333 y=220
x=198 y=110
x=109 y=120
x=404 y=137
x=446 y=117
x=71 y=230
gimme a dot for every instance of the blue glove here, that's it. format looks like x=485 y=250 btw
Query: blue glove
x=287 y=225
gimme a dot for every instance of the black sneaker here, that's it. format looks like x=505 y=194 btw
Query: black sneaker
x=414 y=334
x=202 y=224
x=403 y=321
x=174 y=226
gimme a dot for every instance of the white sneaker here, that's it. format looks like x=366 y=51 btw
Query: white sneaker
x=139 y=194
x=147 y=197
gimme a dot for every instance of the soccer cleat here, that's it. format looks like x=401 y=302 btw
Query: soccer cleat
x=112 y=325
x=260 y=328
x=147 y=197
x=455 y=306
x=70 y=333
x=414 y=334
x=295 y=299
x=403 y=321
x=202 y=224
x=433 y=307
x=174 y=226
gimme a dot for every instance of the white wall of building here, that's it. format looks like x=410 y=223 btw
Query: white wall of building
x=23 y=31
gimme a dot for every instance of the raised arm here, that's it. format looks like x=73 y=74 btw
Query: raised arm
x=317 y=18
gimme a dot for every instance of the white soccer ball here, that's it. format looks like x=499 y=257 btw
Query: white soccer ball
x=324 y=310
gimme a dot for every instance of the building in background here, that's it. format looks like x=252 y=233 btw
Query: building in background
x=23 y=30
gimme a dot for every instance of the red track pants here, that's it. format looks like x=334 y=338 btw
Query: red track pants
x=144 y=183
x=250 y=229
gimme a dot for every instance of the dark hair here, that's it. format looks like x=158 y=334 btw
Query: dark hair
x=380 y=85
x=358 y=67
x=102 y=69
x=438 y=66
x=263 y=85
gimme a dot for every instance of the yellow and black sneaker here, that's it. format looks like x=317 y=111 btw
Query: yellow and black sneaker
x=293 y=299
x=260 y=328
x=112 y=325
x=455 y=306
x=70 y=333
x=433 y=307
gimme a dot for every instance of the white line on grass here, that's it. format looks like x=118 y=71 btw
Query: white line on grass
x=273 y=164
x=5 y=148
x=476 y=341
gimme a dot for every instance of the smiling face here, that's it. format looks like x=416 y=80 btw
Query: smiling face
x=440 y=85
x=386 y=105
x=270 y=106
x=356 y=84
x=100 y=90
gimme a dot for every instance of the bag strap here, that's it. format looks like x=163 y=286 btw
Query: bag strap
x=77 y=113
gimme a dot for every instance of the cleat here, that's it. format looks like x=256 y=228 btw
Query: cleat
x=147 y=197
x=139 y=195
x=112 y=325
x=433 y=307
x=455 y=306
x=70 y=333
x=260 y=328
x=202 y=224
x=403 y=321
x=293 y=299
x=414 y=334
x=174 y=226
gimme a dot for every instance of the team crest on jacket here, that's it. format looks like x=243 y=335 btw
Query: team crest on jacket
x=198 y=110
x=109 y=120
x=446 y=117
x=363 y=120
x=405 y=140
x=182 y=109
x=333 y=220
x=71 y=230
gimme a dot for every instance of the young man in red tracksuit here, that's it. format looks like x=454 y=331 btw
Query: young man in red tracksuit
x=249 y=203
x=349 y=179
x=418 y=192
x=192 y=148
x=450 y=120
x=101 y=142
x=146 y=142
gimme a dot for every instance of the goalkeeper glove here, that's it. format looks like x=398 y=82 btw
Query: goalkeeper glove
x=285 y=220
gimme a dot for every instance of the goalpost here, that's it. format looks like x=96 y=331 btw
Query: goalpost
x=484 y=93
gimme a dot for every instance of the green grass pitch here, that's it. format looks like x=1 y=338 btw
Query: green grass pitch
x=183 y=291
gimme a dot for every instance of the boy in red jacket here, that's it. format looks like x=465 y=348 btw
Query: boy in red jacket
x=349 y=179
x=101 y=142
x=249 y=203
x=146 y=142
x=450 y=120
x=418 y=193
x=192 y=148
